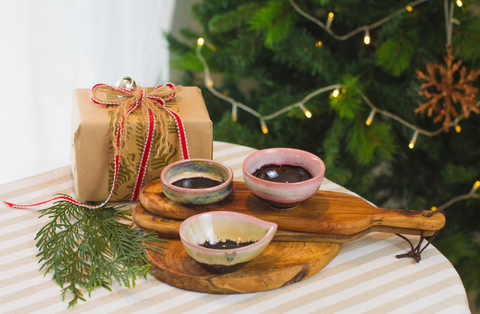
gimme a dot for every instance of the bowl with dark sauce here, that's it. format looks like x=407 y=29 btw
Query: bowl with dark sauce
x=196 y=181
x=283 y=177
x=224 y=242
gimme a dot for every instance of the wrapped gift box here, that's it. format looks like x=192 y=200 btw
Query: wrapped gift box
x=92 y=154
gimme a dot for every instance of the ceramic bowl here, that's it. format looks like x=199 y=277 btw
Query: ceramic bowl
x=281 y=195
x=196 y=168
x=216 y=228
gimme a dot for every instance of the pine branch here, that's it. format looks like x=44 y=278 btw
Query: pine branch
x=276 y=19
x=222 y=23
x=348 y=103
x=87 y=248
x=395 y=54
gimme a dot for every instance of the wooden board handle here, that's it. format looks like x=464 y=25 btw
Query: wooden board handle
x=327 y=213
x=167 y=227
x=400 y=218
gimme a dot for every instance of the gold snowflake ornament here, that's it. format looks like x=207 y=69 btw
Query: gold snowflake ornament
x=445 y=89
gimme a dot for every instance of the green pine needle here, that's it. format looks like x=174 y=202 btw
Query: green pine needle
x=367 y=142
x=224 y=22
x=348 y=102
x=395 y=54
x=466 y=40
x=454 y=174
x=277 y=19
x=88 y=248
x=332 y=145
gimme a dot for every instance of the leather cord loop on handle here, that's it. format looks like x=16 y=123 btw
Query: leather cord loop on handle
x=416 y=252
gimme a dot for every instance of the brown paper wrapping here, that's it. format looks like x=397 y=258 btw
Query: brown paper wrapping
x=92 y=154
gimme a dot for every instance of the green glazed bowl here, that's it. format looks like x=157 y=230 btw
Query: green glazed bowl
x=196 y=168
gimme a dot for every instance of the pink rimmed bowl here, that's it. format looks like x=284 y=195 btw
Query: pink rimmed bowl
x=219 y=226
x=277 y=194
x=195 y=168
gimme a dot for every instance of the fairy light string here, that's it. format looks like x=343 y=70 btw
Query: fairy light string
x=235 y=104
x=301 y=104
x=416 y=129
x=449 y=20
x=470 y=194
x=365 y=28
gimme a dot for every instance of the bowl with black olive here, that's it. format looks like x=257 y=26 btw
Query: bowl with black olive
x=283 y=177
x=196 y=181
x=223 y=241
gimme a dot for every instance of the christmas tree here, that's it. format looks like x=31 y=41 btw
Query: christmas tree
x=384 y=92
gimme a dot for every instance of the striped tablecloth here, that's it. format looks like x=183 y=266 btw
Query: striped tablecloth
x=365 y=277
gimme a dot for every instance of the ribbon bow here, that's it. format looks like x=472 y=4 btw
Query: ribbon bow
x=152 y=104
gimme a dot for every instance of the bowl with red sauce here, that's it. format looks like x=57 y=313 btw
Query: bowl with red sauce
x=223 y=241
x=283 y=177
x=196 y=181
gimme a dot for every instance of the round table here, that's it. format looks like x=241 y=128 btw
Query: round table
x=365 y=277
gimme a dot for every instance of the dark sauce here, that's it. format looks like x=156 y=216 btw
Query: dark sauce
x=226 y=245
x=196 y=183
x=283 y=173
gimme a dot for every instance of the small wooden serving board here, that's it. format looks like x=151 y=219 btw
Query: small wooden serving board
x=327 y=213
x=280 y=264
x=308 y=236
x=169 y=228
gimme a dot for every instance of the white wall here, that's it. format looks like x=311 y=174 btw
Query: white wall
x=50 y=47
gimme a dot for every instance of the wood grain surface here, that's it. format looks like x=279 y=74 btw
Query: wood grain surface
x=169 y=228
x=279 y=265
x=328 y=213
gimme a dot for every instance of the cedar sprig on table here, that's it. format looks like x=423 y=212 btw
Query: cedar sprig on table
x=87 y=248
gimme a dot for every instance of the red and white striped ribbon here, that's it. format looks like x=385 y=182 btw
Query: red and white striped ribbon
x=120 y=129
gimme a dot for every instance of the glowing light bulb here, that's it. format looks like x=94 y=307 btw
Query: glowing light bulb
x=414 y=139
x=318 y=44
x=210 y=83
x=459 y=3
x=433 y=208
x=264 y=126
x=307 y=113
x=370 y=117
x=200 y=41
x=329 y=20
x=409 y=8
x=458 y=128
x=476 y=185
x=366 y=40
x=335 y=93
x=234 y=113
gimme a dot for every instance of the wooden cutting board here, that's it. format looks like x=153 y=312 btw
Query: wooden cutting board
x=169 y=228
x=327 y=213
x=279 y=265
x=297 y=250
